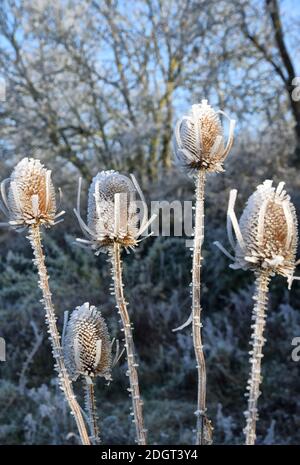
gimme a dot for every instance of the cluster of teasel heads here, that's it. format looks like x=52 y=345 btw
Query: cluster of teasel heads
x=265 y=242
x=29 y=202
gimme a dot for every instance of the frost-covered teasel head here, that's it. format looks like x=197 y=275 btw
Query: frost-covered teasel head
x=267 y=233
x=86 y=344
x=113 y=212
x=199 y=142
x=29 y=196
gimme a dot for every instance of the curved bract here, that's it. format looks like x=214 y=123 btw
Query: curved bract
x=267 y=233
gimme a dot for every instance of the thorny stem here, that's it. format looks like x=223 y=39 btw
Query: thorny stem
x=39 y=261
x=202 y=422
x=90 y=403
x=129 y=345
x=257 y=341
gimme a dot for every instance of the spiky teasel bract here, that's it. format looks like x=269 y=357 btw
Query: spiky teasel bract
x=113 y=213
x=267 y=233
x=87 y=345
x=199 y=142
x=29 y=195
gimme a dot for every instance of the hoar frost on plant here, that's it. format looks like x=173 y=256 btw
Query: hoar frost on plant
x=113 y=212
x=30 y=196
x=199 y=142
x=87 y=346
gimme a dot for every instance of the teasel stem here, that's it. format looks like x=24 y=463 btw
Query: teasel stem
x=257 y=341
x=65 y=382
x=196 y=308
x=134 y=390
x=90 y=403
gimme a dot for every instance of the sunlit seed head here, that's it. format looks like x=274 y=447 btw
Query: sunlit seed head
x=87 y=345
x=114 y=215
x=30 y=198
x=269 y=230
x=199 y=139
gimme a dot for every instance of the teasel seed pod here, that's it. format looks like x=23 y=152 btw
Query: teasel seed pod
x=29 y=196
x=113 y=212
x=199 y=142
x=266 y=243
x=88 y=354
x=87 y=345
x=267 y=233
x=200 y=148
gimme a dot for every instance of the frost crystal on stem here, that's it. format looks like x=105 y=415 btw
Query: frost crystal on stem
x=256 y=355
x=137 y=402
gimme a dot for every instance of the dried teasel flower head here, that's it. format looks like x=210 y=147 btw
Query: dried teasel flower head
x=86 y=344
x=267 y=233
x=113 y=212
x=199 y=142
x=29 y=196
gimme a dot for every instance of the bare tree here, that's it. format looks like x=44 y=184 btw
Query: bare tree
x=97 y=87
x=273 y=49
x=94 y=84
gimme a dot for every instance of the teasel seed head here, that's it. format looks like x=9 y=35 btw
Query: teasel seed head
x=113 y=212
x=29 y=196
x=267 y=233
x=199 y=142
x=86 y=344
